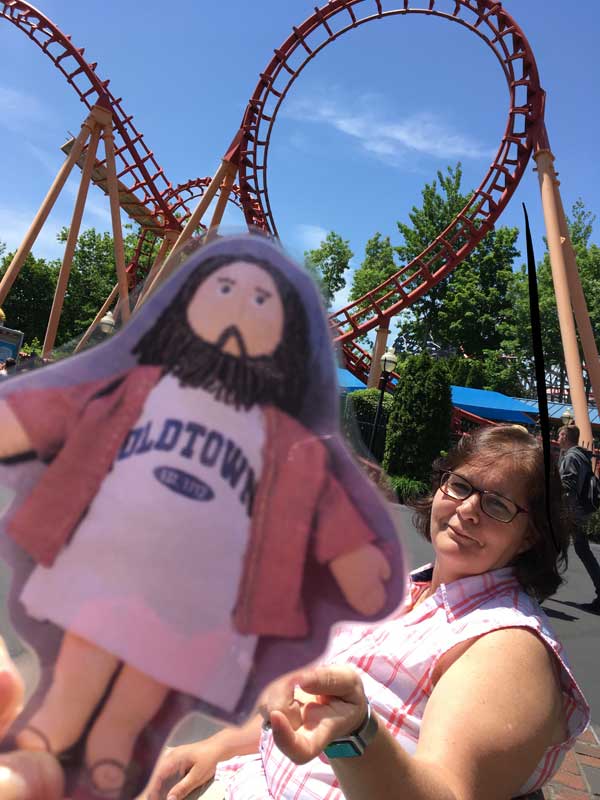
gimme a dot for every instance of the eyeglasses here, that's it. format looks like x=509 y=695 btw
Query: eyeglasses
x=494 y=505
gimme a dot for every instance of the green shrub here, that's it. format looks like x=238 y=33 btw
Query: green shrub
x=593 y=527
x=419 y=423
x=364 y=404
x=408 y=488
x=359 y=413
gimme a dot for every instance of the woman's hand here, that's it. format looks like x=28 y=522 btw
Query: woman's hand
x=182 y=769
x=308 y=709
x=23 y=775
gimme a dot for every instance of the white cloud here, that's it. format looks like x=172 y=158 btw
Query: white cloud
x=309 y=237
x=51 y=162
x=18 y=110
x=424 y=133
x=14 y=224
x=98 y=208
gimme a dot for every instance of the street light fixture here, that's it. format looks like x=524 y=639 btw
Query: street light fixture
x=388 y=362
x=107 y=323
x=567 y=417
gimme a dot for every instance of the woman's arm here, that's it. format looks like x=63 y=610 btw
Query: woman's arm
x=488 y=721
x=189 y=766
x=13 y=437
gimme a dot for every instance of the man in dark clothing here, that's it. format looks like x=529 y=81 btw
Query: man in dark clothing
x=575 y=464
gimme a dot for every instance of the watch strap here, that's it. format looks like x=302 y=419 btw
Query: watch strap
x=355 y=743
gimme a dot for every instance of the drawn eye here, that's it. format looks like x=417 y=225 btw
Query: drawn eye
x=225 y=288
x=259 y=299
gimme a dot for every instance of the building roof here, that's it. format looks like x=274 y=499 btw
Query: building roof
x=556 y=410
x=493 y=405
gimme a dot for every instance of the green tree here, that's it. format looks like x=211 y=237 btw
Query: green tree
x=470 y=310
x=328 y=263
x=377 y=267
x=419 y=423
x=29 y=301
x=518 y=344
x=92 y=277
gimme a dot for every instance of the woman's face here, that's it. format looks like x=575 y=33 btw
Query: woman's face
x=465 y=539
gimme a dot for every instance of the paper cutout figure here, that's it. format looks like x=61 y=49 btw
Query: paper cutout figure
x=188 y=492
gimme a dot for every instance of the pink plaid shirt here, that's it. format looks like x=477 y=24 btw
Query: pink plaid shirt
x=397 y=659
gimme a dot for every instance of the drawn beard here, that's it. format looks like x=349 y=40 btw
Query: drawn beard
x=241 y=381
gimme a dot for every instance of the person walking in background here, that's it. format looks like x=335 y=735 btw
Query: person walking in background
x=575 y=465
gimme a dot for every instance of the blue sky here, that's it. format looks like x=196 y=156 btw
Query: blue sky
x=366 y=125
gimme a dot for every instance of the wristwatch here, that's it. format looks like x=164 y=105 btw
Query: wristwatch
x=355 y=743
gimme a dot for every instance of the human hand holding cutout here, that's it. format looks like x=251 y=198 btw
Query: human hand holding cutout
x=23 y=775
x=309 y=709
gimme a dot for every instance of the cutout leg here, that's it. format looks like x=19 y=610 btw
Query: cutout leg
x=81 y=675
x=134 y=700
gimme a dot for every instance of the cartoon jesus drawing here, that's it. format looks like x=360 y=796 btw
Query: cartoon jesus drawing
x=182 y=500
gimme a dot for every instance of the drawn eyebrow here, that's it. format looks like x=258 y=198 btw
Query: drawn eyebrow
x=225 y=280
x=265 y=292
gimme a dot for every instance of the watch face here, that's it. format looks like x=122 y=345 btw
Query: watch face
x=343 y=749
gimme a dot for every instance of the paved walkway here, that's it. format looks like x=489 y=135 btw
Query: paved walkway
x=579 y=776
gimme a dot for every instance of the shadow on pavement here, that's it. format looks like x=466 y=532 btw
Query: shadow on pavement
x=556 y=614
x=580 y=606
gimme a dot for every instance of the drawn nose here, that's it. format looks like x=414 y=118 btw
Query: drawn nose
x=231 y=341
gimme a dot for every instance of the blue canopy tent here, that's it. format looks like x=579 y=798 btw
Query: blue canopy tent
x=489 y=405
x=493 y=405
x=347 y=381
x=556 y=410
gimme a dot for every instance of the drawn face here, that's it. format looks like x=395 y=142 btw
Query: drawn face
x=238 y=309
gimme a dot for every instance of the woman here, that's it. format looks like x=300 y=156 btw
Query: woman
x=464 y=693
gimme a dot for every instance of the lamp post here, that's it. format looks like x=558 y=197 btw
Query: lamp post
x=388 y=362
x=107 y=323
x=567 y=417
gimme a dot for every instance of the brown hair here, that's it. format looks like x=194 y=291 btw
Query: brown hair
x=539 y=569
x=571 y=432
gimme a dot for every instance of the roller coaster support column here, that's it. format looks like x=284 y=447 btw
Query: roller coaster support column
x=169 y=265
x=383 y=332
x=167 y=242
x=223 y=198
x=21 y=255
x=107 y=304
x=547 y=178
x=580 y=309
x=65 y=269
x=115 y=213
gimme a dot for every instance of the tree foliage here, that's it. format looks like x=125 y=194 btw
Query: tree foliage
x=92 y=277
x=28 y=304
x=470 y=310
x=379 y=264
x=587 y=254
x=328 y=264
x=419 y=423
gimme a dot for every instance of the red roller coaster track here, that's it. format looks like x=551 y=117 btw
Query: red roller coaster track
x=524 y=131
x=169 y=207
x=139 y=173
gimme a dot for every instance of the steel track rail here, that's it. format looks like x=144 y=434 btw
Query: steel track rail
x=138 y=169
x=524 y=131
